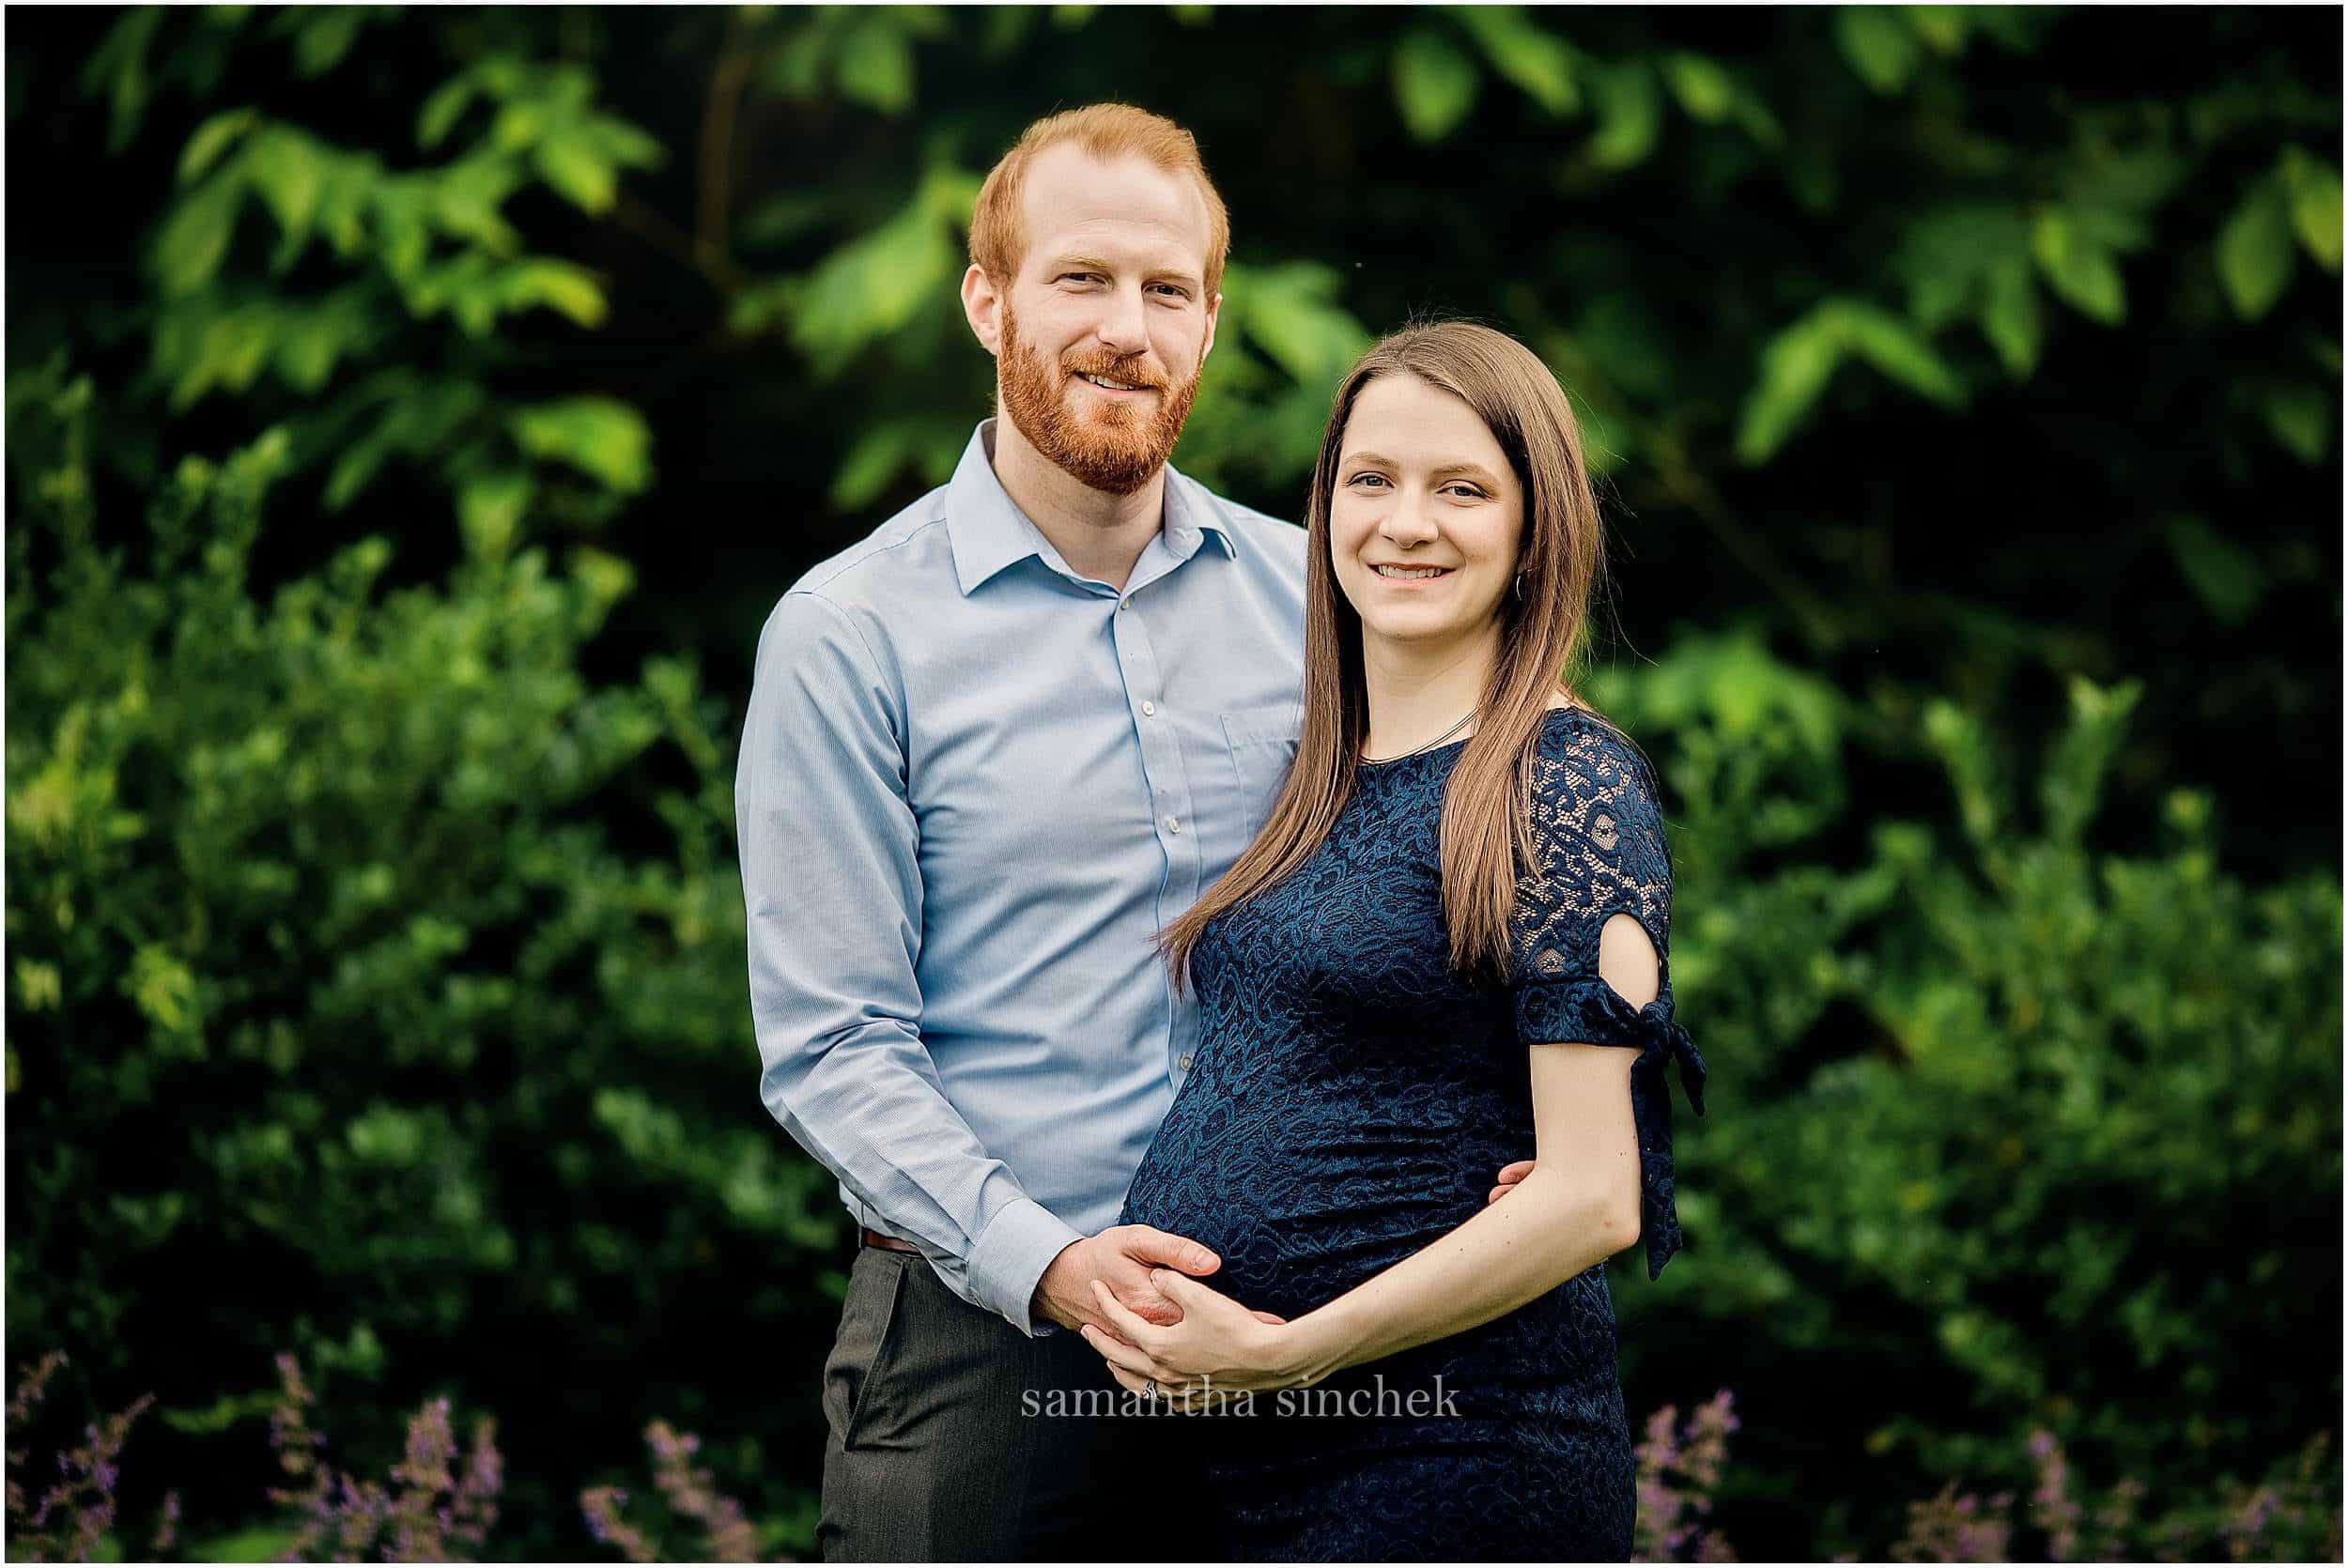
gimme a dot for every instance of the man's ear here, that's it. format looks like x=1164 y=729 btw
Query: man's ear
x=1214 y=308
x=982 y=308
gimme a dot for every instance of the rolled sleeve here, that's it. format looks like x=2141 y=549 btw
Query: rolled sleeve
x=832 y=888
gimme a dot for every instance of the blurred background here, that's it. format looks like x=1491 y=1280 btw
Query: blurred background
x=412 y=414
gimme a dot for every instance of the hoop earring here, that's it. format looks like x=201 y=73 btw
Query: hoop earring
x=1519 y=588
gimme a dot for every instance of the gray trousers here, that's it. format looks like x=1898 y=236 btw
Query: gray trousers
x=956 y=1438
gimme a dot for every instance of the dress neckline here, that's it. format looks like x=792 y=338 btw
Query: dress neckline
x=1364 y=765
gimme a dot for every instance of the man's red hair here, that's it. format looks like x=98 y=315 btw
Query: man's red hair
x=1107 y=130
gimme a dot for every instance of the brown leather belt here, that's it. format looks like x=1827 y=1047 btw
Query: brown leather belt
x=875 y=1238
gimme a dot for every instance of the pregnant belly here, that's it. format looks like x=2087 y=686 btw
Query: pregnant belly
x=1303 y=1210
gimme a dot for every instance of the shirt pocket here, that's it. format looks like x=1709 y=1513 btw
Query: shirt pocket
x=1263 y=744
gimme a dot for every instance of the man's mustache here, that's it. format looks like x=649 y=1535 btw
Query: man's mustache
x=1134 y=371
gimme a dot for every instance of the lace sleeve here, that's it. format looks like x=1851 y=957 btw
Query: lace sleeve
x=1599 y=851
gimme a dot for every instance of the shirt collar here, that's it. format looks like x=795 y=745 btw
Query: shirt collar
x=989 y=532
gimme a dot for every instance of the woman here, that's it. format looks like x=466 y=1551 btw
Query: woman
x=1448 y=940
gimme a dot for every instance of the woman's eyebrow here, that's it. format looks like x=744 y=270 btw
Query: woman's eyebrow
x=1447 y=471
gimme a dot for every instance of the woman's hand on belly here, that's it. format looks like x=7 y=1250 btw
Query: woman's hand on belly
x=1218 y=1348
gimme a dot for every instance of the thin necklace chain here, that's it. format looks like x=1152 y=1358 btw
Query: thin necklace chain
x=1431 y=744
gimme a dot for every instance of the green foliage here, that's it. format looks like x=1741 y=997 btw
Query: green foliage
x=328 y=972
x=375 y=971
x=2092 y=1120
x=378 y=267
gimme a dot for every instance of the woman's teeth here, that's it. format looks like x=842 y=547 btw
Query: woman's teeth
x=1411 y=571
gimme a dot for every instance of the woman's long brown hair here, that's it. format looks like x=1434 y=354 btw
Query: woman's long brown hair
x=1487 y=830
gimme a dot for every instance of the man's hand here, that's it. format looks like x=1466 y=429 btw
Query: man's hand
x=1510 y=1176
x=1120 y=1258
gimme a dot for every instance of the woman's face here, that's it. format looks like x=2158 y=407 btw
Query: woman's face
x=1426 y=518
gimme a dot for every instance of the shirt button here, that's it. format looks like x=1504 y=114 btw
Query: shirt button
x=1148 y=709
x=1183 y=1062
x=1120 y=607
x=1173 y=824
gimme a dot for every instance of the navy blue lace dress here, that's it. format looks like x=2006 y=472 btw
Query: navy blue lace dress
x=1350 y=1105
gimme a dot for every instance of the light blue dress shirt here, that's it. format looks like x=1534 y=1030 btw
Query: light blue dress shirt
x=973 y=785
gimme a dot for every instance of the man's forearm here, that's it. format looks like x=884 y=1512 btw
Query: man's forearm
x=1507 y=1254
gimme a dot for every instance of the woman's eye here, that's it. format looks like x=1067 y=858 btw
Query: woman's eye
x=1465 y=490
x=1370 y=479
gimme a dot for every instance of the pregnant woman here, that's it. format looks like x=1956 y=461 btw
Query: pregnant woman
x=1449 y=941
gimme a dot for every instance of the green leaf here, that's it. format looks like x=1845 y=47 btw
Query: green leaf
x=623 y=144
x=323 y=36
x=2226 y=576
x=600 y=436
x=871 y=463
x=876 y=63
x=873 y=286
x=1536 y=61
x=1880 y=46
x=2010 y=315
x=219 y=1416
x=118 y=68
x=467 y=199
x=193 y=239
x=1895 y=348
x=283 y=167
x=603 y=577
x=2080 y=272
x=1629 y=113
x=441 y=110
x=2312 y=187
x=559 y=286
x=1704 y=87
x=571 y=164
x=1798 y=363
x=215 y=136
x=489 y=511
x=1290 y=312
x=1942 y=27
x=2302 y=420
x=1796 y=366
x=260 y=1545
x=2255 y=255
x=1434 y=84
x=164 y=989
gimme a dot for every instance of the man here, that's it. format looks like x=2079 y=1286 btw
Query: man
x=990 y=751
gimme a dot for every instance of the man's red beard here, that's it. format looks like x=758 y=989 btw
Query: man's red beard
x=1109 y=446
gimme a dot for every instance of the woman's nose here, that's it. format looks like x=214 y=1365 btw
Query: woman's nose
x=1406 y=522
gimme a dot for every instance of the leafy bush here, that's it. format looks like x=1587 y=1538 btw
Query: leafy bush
x=374 y=979
x=2011 y=1132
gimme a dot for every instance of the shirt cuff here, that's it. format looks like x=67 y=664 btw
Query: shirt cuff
x=1017 y=1246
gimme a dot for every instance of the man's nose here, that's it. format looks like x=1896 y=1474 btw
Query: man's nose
x=1124 y=329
